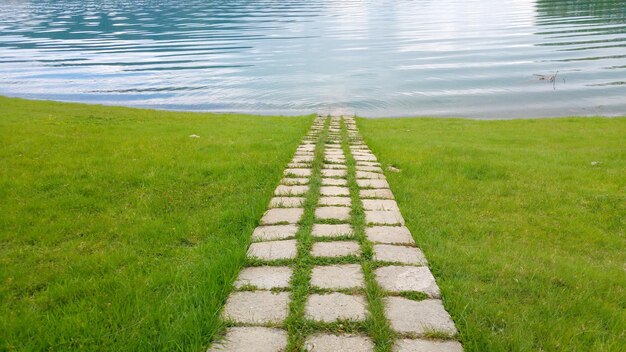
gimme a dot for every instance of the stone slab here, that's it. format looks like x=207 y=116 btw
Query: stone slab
x=410 y=345
x=303 y=159
x=380 y=204
x=334 y=173
x=252 y=339
x=283 y=190
x=369 y=175
x=335 y=249
x=333 y=213
x=341 y=343
x=335 y=166
x=399 y=254
x=370 y=183
x=367 y=163
x=335 y=306
x=287 y=202
x=273 y=250
x=369 y=168
x=291 y=181
x=282 y=215
x=383 y=217
x=389 y=235
x=264 y=277
x=418 y=317
x=332 y=230
x=298 y=172
x=364 y=158
x=336 y=277
x=334 y=182
x=334 y=191
x=258 y=307
x=376 y=193
x=407 y=278
x=274 y=232
x=340 y=201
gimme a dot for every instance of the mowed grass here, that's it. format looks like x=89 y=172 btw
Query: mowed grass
x=120 y=232
x=524 y=235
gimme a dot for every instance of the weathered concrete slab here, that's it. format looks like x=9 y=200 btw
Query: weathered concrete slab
x=302 y=159
x=369 y=175
x=338 y=201
x=291 y=181
x=274 y=232
x=369 y=168
x=370 y=183
x=409 y=345
x=407 y=278
x=282 y=215
x=364 y=158
x=418 y=317
x=335 y=249
x=334 y=191
x=335 y=306
x=389 y=235
x=287 y=202
x=367 y=163
x=273 y=250
x=376 y=193
x=336 y=277
x=380 y=204
x=298 y=172
x=334 y=182
x=283 y=190
x=399 y=254
x=332 y=230
x=335 y=166
x=333 y=213
x=258 y=307
x=341 y=343
x=264 y=277
x=252 y=339
x=333 y=173
x=383 y=217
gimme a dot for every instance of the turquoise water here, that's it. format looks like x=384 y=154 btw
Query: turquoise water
x=475 y=58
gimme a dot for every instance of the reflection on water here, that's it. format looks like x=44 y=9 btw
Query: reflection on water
x=478 y=58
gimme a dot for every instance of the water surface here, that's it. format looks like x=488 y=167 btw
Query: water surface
x=475 y=58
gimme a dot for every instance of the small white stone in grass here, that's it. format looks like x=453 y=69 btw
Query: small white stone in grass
x=338 y=343
x=341 y=201
x=407 y=278
x=331 y=230
x=418 y=345
x=252 y=339
x=337 y=277
x=334 y=182
x=274 y=232
x=399 y=254
x=282 y=215
x=333 y=213
x=298 y=172
x=369 y=183
x=383 y=217
x=264 y=277
x=286 y=202
x=393 y=169
x=194 y=136
x=283 y=190
x=595 y=163
x=389 y=235
x=273 y=250
x=335 y=306
x=418 y=317
x=258 y=307
x=380 y=193
x=334 y=191
x=335 y=249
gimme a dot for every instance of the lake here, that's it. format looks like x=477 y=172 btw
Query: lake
x=472 y=58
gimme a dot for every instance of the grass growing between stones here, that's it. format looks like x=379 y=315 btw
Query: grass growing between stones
x=522 y=223
x=120 y=232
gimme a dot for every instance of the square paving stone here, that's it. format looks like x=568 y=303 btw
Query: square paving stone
x=418 y=317
x=380 y=204
x=398 y=254
x=274 y=232
x=298 y=172
x=264 y=277
x=282 y=215
x=340 y=343
x=286 y=202
x=376 y=193
x=252 y=339
x=335 y=306
x=407 y=278
x=333 y=213
x=409 y=345
x=369 y=183
x=294 y=181
x=332 y=230
x=383 y=217
x=340 y=201
x=334 y=191
x=257 y=307
x=333 y=173
x=336 y=277
x=369 y=175
x=335 y=249
x=369 y=168
x=283 y=190
x=389 y=235
x=273 y=250
x=334 y=182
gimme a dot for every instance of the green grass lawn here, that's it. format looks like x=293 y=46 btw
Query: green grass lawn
x=524 y=235
x=120 y=232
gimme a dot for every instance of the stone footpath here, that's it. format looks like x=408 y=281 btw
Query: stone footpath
x=260 y=303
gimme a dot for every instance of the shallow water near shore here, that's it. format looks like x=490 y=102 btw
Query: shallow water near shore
x=474 y=58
